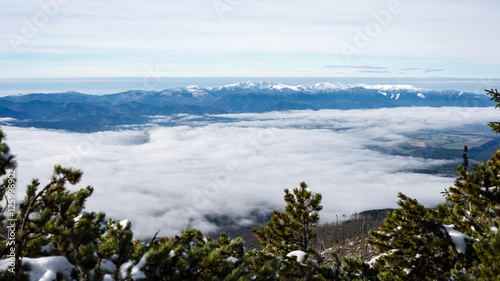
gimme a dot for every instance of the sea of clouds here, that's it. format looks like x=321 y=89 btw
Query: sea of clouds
x=171 y=177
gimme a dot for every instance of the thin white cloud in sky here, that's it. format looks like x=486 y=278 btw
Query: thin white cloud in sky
x=246 y=38
x=169 y=178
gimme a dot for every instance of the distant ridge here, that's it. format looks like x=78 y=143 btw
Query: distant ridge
x=80 y=112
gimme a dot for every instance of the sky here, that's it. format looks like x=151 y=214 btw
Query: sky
x=169 y=178
x=249 y=38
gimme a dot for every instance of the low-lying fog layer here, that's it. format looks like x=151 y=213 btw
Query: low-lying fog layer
x=169 y=178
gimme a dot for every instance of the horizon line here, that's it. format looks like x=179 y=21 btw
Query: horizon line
x=235 y=77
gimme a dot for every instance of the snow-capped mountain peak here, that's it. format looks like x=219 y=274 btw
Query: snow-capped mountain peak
x=260 y=85
x=391 y=87
x=268 y=86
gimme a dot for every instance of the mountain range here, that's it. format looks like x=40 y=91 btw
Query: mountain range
x=79 y=112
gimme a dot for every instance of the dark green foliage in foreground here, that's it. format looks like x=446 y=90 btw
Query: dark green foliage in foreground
x=488 y=258
x=292 y=229
x=495 y=96
x=475 y=210
x=53 y=216
x=191 y=256
x=354 y=268
x=117 y=242
x=7 y=202
x=6 y=159
x=414 y=245
x=474 y=198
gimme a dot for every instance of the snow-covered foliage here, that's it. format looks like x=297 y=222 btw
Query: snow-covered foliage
x=45 y=268
x=460 y=240
x=299 y=255
x=128 y=269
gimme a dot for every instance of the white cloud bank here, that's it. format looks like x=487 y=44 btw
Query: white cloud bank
x=168 y=178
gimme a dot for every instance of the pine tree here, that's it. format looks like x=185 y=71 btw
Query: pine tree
x=413 y=245
x=475 y=198
x=495 y=96
x=53 y=216
x=289 y=236
x=475 y=203
x=292 y=229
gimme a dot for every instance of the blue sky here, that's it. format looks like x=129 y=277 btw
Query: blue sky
x=259 y=38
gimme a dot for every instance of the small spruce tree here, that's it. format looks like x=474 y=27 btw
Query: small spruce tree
x=475 y=199
x=475 y=210
x=413 y=245
x=293 y=229
x=53 y=217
